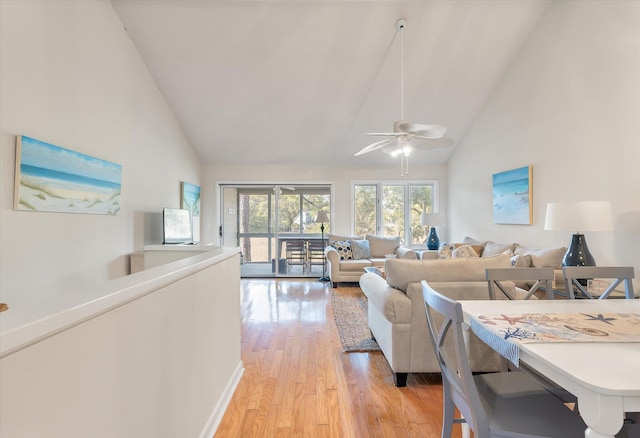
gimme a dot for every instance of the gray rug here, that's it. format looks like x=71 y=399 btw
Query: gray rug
x=350 y=314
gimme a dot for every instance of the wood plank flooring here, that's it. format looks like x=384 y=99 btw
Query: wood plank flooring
x=298 y=382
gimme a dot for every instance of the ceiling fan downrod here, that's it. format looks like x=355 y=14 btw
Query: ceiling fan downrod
x=400 y=25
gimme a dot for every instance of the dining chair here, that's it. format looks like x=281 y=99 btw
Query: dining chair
x=575 y=276
x=504 y=404
x=541 y=277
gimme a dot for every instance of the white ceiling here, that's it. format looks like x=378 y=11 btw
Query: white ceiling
x=300 y=82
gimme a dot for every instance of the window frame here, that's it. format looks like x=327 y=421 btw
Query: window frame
x=406 y=184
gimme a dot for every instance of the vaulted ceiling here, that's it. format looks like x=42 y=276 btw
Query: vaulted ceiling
x=300 y=82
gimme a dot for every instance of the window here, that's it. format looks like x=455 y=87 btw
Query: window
x=393 y=209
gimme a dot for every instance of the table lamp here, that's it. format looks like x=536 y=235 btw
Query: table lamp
x=432 y=220
x=322 y=218
x=582 y=216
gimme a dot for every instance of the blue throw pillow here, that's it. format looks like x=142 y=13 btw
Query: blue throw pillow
x=361 y=249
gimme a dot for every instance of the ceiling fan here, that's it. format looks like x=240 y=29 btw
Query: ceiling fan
x=405 y=134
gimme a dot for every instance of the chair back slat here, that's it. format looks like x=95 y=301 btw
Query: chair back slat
x=540 y=276
x=576 y=277
x=457 y=380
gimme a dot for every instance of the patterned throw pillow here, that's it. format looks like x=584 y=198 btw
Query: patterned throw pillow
x=464 y=251
x=361 y=249
x=444 y=252
x=344 y=249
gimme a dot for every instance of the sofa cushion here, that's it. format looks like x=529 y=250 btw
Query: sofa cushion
x=444 y=252
x=383 y=245
x=401 y=272
x=337 y=237
x=493 y=248
x=543 y=257
x=466 y=251
x=471 y=241
x=344 y=249
x=354 y=265
x=361 y=249
x=521 y=261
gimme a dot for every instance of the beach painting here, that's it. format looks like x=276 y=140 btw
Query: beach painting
x=54 y=179
x=512 y=198
x=190 y=200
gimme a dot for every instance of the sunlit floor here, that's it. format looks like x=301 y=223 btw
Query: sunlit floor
x=264 y=269
x=297 y=380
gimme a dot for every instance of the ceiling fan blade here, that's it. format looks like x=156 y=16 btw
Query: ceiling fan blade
x=388 y=134
x=421 y=130
x=375 y=146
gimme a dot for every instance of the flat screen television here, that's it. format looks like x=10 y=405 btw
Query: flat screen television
x=176 y=226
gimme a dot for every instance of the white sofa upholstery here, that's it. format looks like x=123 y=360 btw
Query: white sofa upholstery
x=350 y=270
x=396 y=313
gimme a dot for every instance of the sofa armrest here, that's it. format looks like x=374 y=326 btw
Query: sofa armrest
x=332 y=254
x=390 y=302
x=406 y=253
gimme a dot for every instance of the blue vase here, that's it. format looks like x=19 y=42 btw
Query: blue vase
x=432 y=241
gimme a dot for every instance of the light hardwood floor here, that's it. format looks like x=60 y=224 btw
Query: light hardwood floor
x=298 y=382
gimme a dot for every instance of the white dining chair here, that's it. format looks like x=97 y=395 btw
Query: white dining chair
x=493 y=405
x=577 y=276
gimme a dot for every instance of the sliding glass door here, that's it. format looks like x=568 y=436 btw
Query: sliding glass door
x=275 y=227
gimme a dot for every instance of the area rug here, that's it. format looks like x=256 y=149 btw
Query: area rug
x=350 y=314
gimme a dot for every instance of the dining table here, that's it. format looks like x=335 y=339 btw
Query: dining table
x=591 y=348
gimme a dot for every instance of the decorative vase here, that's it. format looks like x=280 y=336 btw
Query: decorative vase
x=432 y=241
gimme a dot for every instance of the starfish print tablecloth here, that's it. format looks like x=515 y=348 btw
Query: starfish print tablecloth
x=505 y=332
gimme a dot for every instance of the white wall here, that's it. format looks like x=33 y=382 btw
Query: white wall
x=69 y=75
x=162 y=365
x=569 y=106
x=340 y=177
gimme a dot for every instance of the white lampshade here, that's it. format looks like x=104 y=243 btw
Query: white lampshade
x=433 y=219
x=579 y=216
x=322 y=217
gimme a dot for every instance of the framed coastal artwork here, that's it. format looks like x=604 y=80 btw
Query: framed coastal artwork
x=512 y=196
x=190 y=200
x=54 y=179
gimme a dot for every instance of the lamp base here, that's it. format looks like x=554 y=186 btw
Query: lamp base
x=433 y=242
x=578 y=253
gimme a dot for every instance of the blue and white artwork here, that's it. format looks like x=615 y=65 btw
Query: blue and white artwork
x=52 y=178
x=512 y=196
x=190 y=200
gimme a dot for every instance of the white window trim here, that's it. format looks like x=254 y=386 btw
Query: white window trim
x=407 y=200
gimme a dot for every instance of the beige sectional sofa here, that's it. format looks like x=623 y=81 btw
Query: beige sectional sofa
x=521 y=256
x=347 y=256
x=396 y=314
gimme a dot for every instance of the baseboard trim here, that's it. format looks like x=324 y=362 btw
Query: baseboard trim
x=223 y=402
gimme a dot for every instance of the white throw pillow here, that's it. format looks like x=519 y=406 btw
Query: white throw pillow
x=380 y=246
x=493 y=248
x=543 y=257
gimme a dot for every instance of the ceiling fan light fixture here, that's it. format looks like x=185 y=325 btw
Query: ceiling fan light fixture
x=403 y=130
